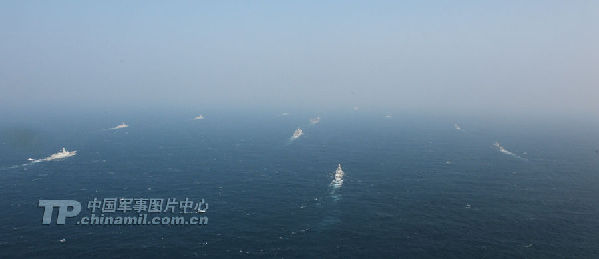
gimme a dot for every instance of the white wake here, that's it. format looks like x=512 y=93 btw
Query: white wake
x=56 y=156
x=120 y=126
x=296 y=134
x=337 y=183
x=507 y=152
x=63 y=154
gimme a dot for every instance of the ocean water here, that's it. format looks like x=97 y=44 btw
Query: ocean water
x=414 y=187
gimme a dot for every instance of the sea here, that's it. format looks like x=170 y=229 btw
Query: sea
x=415 y=186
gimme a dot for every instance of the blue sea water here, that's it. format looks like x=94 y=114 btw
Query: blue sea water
x=414 y=187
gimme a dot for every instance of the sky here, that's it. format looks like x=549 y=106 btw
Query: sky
x=537 y=57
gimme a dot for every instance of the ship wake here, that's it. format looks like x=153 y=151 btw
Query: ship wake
x=336 y=183
x=296 y=134
x=120 y=126
x=503 y=150
x=60 y=155
x=56 y=156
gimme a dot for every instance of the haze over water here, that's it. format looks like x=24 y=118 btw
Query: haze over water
x=507 y=57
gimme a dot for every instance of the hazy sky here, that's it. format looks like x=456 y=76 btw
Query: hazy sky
x=527 y=56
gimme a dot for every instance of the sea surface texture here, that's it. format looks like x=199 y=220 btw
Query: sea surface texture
x=413 y=186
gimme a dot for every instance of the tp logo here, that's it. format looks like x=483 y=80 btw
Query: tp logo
x=63 y=210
